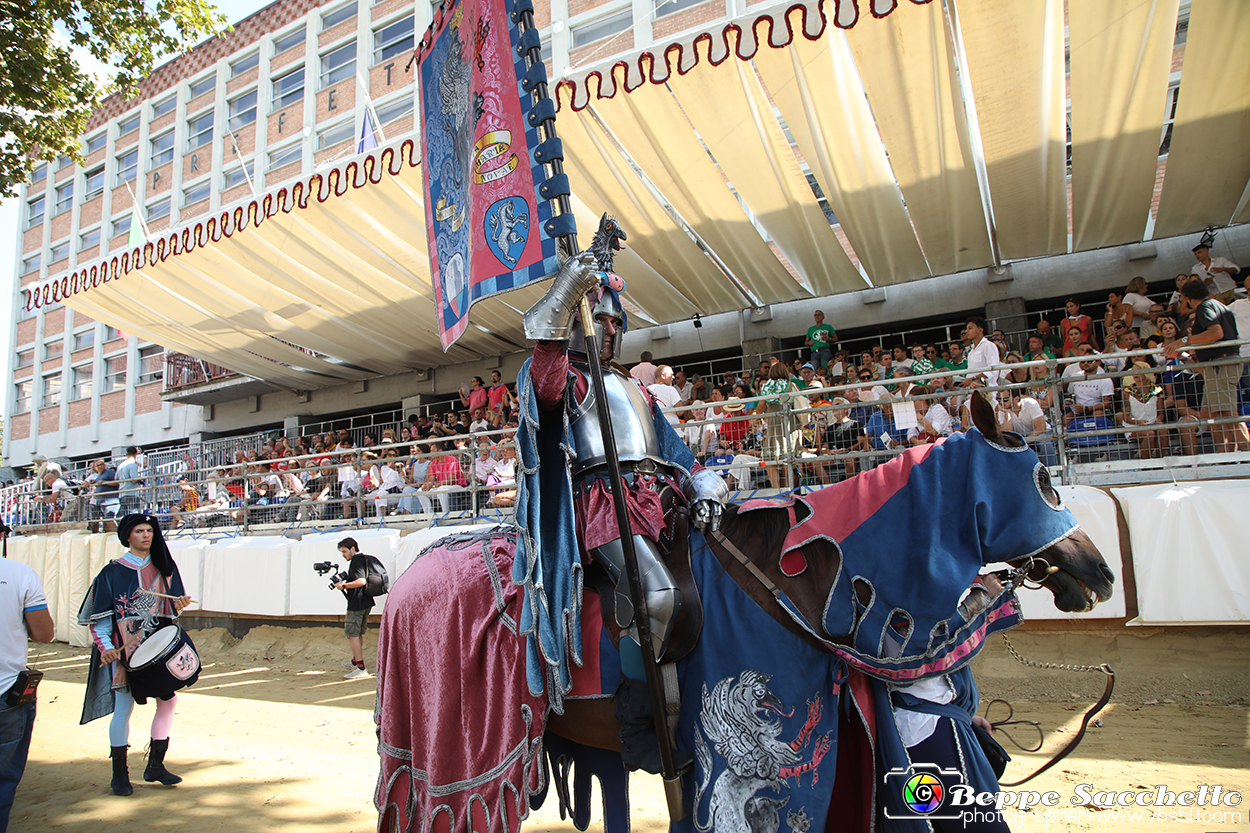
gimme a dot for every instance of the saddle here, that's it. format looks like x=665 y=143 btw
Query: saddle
x=675 y=544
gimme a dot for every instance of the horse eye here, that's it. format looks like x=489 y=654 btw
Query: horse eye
x=1048 y=492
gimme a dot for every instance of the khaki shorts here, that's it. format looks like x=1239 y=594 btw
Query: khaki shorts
x=356 y=622
x=1219 y=394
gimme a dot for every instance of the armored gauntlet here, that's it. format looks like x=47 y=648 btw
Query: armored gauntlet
x=551 y=318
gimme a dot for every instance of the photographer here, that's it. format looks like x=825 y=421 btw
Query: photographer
x=359 y=603
x=23 y=610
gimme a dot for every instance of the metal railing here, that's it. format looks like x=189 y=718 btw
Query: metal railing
x=182 y=371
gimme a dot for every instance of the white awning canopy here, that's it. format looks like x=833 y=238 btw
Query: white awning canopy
x=934 y=139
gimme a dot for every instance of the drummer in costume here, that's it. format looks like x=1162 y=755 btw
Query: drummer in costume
x=121 y=610
x=564 y=504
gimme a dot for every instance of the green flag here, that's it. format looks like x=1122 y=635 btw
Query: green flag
x=137 y=236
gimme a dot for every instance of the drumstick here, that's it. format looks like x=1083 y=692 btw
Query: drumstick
x=162 y=595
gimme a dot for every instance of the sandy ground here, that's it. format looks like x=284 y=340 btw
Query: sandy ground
x=272 y=738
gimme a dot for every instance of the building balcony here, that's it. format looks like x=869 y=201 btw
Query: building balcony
x=192 y=381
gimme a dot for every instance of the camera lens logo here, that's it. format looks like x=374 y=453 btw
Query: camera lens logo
x=923 y=793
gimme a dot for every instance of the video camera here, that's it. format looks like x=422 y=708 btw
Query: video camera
x=323 y=567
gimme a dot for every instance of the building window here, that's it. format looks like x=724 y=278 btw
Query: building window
x=238 y=176
x=34 y=212
x=158 y=210
x=601 y=28
x=25 y=358
x=288 y=41
x=1166 y=142
x=204 y=85
x=285 y=156
x=667 y=7
x=127 y=166
x=93 y=184
x=288 y=89
x=331 y=19
x=162 y=150
x=32 y=264
x=84 y=339
x=242 y=110
x=39 y=175
x=21 y=397
x=128 y=125
x=151 y=364
x=64 y=197
x=88 y=239
x=160 y=108
x=81 y=386
x=200 y=130
x=24 y=310
x=244 y=64
x=122 y=225
x=59 y=252
x=111 y=334
x=53 y=350
x=51 y=390
x=393 y=110
x=96 y=142
x=63 y=162
x=341 y=132
x=396 y=39
x=114 y=374
x=196 y=193
x=338 y=65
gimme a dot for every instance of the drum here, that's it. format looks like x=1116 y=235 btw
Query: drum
x=163 y=663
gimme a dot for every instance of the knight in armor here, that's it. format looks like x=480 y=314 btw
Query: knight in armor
x=565 y=508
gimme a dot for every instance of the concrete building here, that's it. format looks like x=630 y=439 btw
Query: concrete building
x=284 y=95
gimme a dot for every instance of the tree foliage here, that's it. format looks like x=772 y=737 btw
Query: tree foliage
x=46 y=96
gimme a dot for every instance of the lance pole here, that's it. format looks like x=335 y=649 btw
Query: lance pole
x=524 y=17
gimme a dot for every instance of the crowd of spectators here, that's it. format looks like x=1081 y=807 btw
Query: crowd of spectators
x=777 y=425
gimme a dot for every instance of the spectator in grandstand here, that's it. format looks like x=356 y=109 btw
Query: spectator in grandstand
x=388 y=482
x=60 y=497
x=103 y=500
x=664 y=392
x=445 y=479
x=503 y=479
x=1116 y=310
x=1174 y=300
x=474 y=394
x=1016 y=374
x=1143 y=406
x=982 y=356
x=1072 y=344
x=1182 y=399
x=498 y=399
x=1051 y=340
x=923 y=359
x=1150 y=327
x=1039 y=386
x=807 y=375
x=1083 y=323
x=645 y=372
x=842 y=437
x=699 y=388
x=684 y=387
x=188 y=504
x=702 y=439
x=821 y=338
x=1135 y=297
x=957 y=360
x=779 y=437
x=1088 y=396
x=1217 y=273
x=1216 y=326
x=1022 y=413
x=1241 y=314
x=933 y=420
x=414 y=477
x=480 y=422
x=1038 y=349
x=733 y=428
x=130 y=489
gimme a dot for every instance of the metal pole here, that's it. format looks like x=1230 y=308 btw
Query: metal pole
x=642 y=620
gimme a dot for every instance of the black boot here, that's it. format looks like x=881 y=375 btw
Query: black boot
x=640 y=748
x=155 y=770
x=121 y=774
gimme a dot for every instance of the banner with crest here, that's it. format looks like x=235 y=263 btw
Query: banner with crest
x=484 y=217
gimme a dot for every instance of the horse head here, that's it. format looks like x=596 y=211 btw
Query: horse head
x=1070 y=566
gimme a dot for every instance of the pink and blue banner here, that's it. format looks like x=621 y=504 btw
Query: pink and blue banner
x=484 y=216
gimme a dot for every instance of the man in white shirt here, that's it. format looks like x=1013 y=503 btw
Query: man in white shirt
x=1216 y=272
x=665 y=393
x=1089 y=397
x=983 y=354
x=23 y=613
x=684 y=388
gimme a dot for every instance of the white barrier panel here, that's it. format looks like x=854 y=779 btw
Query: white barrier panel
x=247 y=575
x=1095 y=511
x=1189 y=551
x=75 y=577
x=188 y=554
x=412 y=545
x=311 y=594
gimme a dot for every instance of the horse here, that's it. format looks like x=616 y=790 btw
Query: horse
x=811 y=605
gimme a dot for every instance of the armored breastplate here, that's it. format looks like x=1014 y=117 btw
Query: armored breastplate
x=631 y=425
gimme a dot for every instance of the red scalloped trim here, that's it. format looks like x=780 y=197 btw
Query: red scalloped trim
x=322 y=187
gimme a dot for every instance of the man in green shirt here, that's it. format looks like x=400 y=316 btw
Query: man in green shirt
x=821 y=338
x=1037 y=349
x=1051 y=340
x=958 y=361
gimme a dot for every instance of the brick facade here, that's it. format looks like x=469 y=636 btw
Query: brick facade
x=389 y=76
x=160 y=179
x=90 y=213
x=32 y=238
x=54 y=321
x=19 y=426
x=79 y=413
x=335 y=101
x=61 y=224
x=49 y=420
x=148 y=398
x=112 y=406
x=286 y=123
x=701 y=15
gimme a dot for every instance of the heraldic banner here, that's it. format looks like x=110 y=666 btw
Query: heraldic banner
x=484 y=218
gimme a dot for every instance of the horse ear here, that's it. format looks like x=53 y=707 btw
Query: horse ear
x=983 y=417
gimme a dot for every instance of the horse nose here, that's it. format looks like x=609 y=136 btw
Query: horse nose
x=1107 y=574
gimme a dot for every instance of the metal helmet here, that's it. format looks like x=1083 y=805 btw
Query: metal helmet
x=603 y=301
